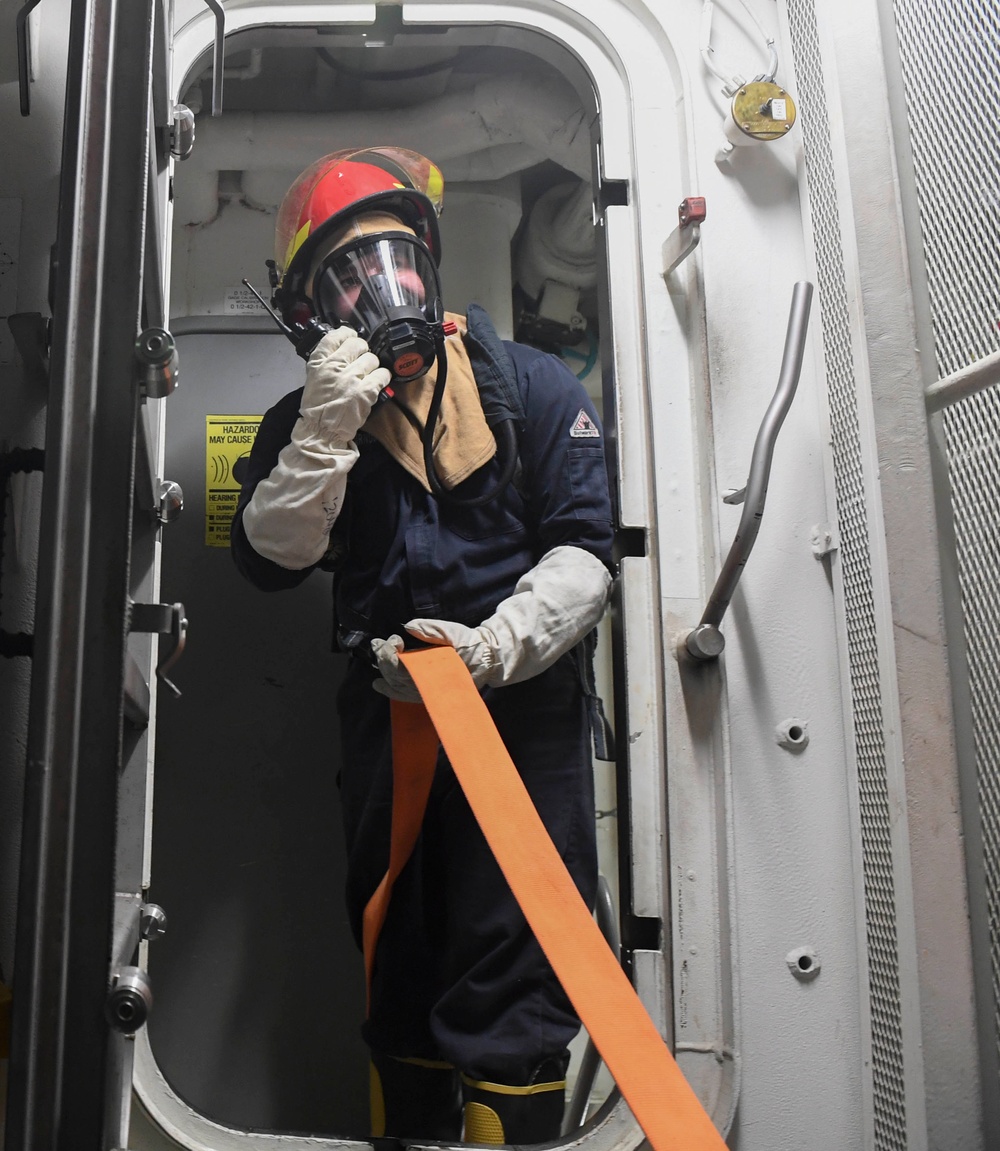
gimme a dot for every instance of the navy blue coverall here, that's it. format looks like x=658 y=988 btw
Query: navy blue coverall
x=458 y=974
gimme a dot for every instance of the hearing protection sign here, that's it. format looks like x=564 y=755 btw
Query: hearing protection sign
x=228 y=440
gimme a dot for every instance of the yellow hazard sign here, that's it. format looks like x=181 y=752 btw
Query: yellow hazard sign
x=228 y=440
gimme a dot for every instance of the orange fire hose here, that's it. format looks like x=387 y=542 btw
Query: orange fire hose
x=663 y=1103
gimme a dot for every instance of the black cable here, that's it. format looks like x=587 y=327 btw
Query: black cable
x=411 y=416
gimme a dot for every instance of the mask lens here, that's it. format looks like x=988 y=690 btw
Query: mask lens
x=361 y=284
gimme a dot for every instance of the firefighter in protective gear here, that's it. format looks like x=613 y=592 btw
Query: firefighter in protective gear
x=467 y=1022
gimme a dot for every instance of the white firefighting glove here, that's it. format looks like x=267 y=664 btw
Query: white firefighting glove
x=395 y=682
x=289 y=517
x=551 y=609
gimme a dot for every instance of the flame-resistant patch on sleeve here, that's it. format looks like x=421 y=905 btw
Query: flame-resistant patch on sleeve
x=584 y=428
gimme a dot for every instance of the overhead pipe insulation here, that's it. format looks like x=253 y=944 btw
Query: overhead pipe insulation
x=501 y=126
x=558 y=243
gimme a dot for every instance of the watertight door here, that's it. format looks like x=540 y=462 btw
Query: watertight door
x=259 y=986
x=80 y=908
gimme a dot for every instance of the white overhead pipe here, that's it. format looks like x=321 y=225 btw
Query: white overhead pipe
x=502 y=120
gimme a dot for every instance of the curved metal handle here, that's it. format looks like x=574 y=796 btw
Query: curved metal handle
x=163 y=619
x=218 y=60
x=178 y=630
x=706 y=641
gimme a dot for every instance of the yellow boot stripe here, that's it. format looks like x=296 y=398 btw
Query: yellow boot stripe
x=376 y=1101
x=482 y=1125
x=507 y=1089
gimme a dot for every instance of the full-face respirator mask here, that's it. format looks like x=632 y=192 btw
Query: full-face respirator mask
x=384 y=286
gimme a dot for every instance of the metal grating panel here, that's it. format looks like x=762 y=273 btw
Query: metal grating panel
x=877 y=857
x=957 y=172
x=950 y=52
x=973 y=442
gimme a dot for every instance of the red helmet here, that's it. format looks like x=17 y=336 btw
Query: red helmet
x=343 y=184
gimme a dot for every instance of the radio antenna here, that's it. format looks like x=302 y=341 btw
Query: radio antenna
x=273 y=314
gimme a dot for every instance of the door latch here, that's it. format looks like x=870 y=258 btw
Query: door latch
x=170 y=501
x=156 y=354
x=163 y=619
x=152 y=922
x=130 y=1000
x=181 y=132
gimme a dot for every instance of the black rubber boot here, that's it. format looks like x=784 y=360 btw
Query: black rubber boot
x=498 y=1113
x=415 y=1099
